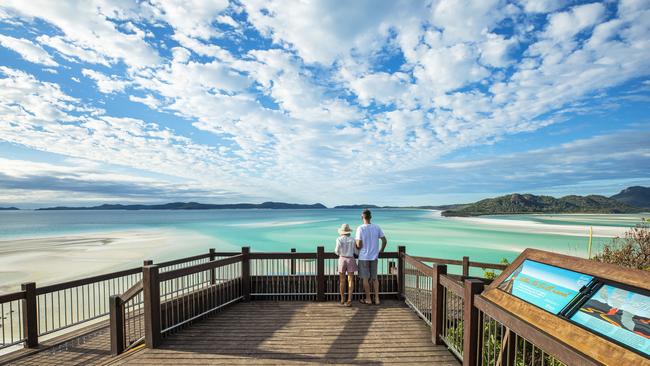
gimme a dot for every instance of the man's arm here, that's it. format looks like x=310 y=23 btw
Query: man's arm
x=384 y=241
x=359 y=243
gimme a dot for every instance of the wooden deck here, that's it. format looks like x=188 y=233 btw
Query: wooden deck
x=263 y=332
x=88 y=346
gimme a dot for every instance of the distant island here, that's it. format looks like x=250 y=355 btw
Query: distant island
x=9 y=208
x=629 y=200
x=636 y=196
x=192 y=206
x=529 y=203
x=360 y=207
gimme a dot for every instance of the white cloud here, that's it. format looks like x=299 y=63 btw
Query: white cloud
x=566 y=24
x=541 y=6
x=466 y=20
x=448 y=68
x=381 y=87
x=75 y=18
x=494 y=51
x=71 y=50
x=39 y=115
x=361 y=26
x=105 y=84
x=149 y=100
x=191 y=18
x=28 y=50
x=323 y=93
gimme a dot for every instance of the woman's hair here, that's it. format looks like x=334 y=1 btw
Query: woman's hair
x=367 y=214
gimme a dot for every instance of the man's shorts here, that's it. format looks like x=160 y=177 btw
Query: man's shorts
x=368 y=269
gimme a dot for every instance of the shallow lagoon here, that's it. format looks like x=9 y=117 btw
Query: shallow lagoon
x=121 y=239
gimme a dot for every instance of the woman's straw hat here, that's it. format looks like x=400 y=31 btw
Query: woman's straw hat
x=345 y=229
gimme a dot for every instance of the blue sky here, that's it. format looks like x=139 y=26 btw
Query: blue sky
x=386 y=102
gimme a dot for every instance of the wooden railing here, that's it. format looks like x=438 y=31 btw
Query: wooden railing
x=35 y=311
x=160 y=299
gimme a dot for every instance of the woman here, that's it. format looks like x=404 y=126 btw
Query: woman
x=345 y=249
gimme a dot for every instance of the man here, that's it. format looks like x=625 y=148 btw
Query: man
x=367 y=238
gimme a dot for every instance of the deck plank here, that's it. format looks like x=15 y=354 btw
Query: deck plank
x=289 y=333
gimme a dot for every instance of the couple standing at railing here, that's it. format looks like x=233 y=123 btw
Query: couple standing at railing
x=366 y=245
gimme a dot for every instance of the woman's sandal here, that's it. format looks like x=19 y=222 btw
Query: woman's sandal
x=348 y=304
x=363 y=301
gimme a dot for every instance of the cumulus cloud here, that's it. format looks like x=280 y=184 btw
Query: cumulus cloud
x=281 y=100
x=74 y=19
x=28 y=50
x=105 y=84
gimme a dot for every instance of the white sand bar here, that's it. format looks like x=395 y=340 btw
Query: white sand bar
x=533 y=227
x=47 y=260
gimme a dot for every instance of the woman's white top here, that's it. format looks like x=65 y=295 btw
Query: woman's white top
x=345 y=246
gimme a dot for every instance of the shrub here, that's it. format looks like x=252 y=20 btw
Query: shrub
x=632 y=250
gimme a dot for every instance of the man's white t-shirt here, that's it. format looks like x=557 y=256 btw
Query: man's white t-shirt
x=369 y=235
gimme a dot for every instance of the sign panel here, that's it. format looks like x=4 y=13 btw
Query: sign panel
x=549 y=287
x=618 y=314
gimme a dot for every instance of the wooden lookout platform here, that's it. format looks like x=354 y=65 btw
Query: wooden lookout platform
x=287 y=333
x=282 y=308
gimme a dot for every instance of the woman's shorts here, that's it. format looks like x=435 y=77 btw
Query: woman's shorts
x=347 y=264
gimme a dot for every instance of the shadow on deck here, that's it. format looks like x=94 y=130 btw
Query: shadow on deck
x=299 y=332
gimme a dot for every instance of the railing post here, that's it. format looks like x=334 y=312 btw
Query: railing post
x=30 y=315
x=293 y=263
x=437 y=297
x=246 y=273
x=470 y=321
x=401 y=250
x=320 y=274
x=213 y=271
x=147 y=262
x=151 y=289
x=116 y=325
x=465 y=266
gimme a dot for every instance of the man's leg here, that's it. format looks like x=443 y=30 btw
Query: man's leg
x=375 y=281
x=364 y=272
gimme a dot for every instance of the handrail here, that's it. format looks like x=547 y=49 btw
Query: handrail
x=196 y=257
x=417 y=263
x=457 y=262
x=131 y=292
x=20 y=295
x=165 y=276
x=85 y=281
x=280 y=255
x=453 y=285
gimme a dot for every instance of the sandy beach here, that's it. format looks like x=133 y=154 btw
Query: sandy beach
x=47 y=260
x=533 y=227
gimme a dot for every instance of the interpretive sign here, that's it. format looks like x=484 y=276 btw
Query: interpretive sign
x=549 y=287
x=619 y=314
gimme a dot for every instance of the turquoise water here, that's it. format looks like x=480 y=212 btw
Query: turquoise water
x=422 y=232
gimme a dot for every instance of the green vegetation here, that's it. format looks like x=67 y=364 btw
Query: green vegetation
x=491 y=274
x=632 y=251
x=528 y=203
